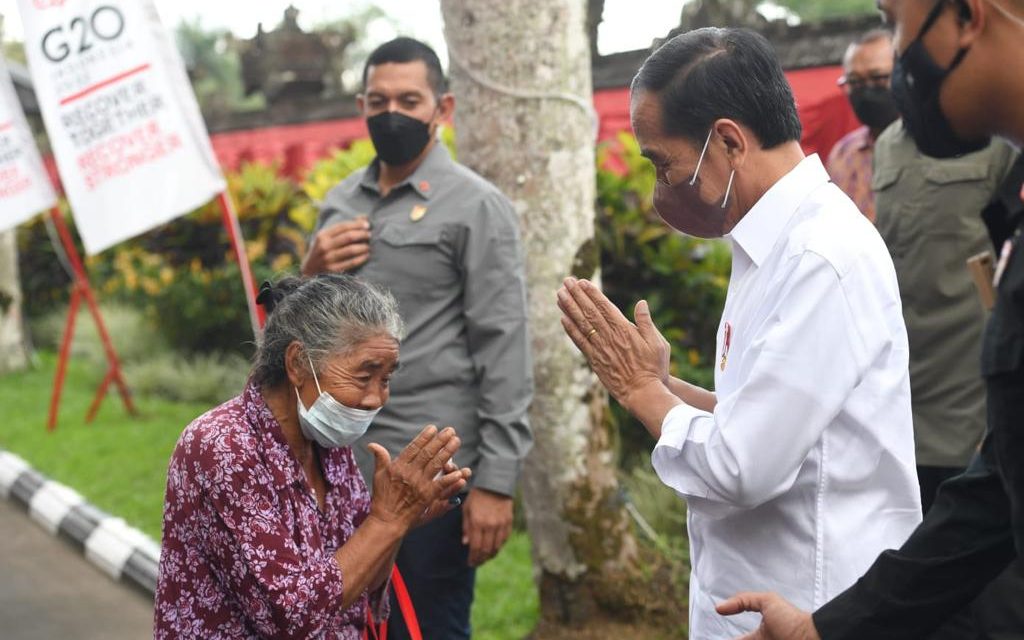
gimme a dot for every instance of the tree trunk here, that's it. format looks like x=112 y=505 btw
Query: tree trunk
x=540 y=152
x=13 y=349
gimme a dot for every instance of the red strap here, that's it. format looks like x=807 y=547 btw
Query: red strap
x=372 y=632
x=404 y=605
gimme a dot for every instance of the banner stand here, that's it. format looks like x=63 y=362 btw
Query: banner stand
x=80 y=290
x=230 y=219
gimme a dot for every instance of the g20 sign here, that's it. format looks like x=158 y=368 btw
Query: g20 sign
x=104 y=24
x=130 y=143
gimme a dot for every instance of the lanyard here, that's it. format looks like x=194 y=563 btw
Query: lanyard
x=374 y=632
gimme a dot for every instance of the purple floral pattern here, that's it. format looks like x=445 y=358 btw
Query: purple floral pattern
x=247 y=553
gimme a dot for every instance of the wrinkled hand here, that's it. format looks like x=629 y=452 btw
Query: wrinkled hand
x=416 y=485
x=779 y=619
x=339 y=248
x=625 y=356
x=444 y=503
x=486 y=524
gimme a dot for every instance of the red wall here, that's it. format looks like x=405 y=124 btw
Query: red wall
x=824 y=111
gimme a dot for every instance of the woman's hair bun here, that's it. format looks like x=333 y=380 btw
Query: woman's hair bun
x=271 y=294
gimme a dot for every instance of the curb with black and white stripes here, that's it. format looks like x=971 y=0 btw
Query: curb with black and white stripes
x=122 y=552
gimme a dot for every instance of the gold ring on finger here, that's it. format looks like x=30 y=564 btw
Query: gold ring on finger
x=593 y=332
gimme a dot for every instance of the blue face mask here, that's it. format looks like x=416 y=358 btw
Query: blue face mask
x=330 y=423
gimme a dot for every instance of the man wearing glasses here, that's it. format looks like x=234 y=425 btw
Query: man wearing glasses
x=867 y=67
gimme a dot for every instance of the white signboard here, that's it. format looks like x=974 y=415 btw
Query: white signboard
x=124 y=125
x=25 y=188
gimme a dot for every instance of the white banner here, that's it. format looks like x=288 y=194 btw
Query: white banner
x=25 y=187
x=130 y=143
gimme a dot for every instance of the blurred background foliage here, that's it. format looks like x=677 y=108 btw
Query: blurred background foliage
x=185 y=283
x=176 y=311
x=178 y=316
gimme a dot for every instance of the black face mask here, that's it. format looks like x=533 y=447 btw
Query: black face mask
x=916 y=82
x=398 y=138
x=874 y=107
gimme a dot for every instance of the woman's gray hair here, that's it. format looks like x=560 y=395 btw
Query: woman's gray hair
x=328 y=314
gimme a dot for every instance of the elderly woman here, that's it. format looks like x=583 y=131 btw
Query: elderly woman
x=269 y=531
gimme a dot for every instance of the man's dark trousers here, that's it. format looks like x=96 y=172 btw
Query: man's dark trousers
x=433 y=563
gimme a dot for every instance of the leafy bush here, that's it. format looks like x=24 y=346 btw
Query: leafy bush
x=660 y=508
x=44 y=280
x=133 y=335
x=204 y=310
x=150 y=366
x=327 y=173
x=201 y=378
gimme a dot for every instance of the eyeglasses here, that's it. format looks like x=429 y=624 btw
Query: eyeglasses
x=854 y=82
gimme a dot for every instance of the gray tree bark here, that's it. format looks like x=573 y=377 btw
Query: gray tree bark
x=13 y=348
x=540 y=152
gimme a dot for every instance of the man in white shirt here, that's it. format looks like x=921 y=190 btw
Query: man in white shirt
x=799 y=469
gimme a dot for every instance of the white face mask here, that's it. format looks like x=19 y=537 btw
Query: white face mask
x=330 y=423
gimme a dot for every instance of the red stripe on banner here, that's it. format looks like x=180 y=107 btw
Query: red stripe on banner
x=5 y=126
x=105 y=83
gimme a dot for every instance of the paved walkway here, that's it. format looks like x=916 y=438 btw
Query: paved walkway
x=48 y=590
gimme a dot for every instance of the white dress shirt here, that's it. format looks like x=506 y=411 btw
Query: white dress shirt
x=805 y=471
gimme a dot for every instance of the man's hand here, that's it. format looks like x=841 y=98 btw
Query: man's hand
x=486 y=524
x=625 y=356
x=339 y=248
x=779 y=619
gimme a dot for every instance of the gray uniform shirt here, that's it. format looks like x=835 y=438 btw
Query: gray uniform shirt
x=929 y=214
x=446 y=243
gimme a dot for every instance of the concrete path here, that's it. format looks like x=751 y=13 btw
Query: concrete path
x=49 y=591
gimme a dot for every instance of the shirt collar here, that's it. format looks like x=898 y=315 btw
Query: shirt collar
x=862 y=139
x=284 y=468
x=758 y=231
x=422 y=180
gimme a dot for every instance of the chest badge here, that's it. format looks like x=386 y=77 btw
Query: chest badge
x=418 y=212
x=726 y=343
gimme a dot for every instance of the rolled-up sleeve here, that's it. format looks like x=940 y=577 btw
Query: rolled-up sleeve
x=801 y=365
x=496 y=322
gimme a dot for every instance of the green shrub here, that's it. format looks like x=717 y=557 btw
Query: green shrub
x=43 y=280
x=150 y=367
x=131 y=333
x=204 y=310
x=659 y=507
x=208 y=379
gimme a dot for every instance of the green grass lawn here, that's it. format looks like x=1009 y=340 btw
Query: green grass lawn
x=119 y=464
